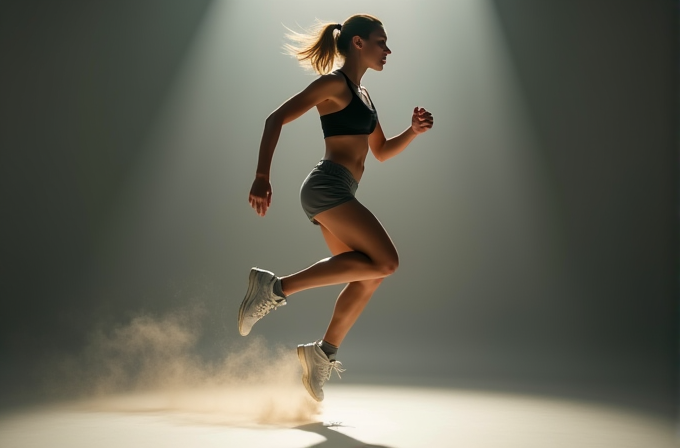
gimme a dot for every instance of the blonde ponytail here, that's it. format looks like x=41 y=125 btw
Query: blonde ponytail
x=319 y=47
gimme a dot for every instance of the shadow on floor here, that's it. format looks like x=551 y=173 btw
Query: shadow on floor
x=334 y=439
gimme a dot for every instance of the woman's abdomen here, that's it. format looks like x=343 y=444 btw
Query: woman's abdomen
x=349 y=151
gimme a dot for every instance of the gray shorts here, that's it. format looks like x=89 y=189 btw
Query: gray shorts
x=328 y=185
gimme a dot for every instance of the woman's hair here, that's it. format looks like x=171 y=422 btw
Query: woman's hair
x=321 y=45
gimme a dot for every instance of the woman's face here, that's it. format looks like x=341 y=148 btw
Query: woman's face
x=375 y=50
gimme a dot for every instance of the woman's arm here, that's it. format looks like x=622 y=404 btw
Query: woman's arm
x=384 y=149
x=321 y=89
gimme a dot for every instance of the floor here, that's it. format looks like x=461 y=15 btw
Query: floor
x=350 y=416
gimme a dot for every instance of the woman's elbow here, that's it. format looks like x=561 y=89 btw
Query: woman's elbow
x=274 y=119
x=379 y=154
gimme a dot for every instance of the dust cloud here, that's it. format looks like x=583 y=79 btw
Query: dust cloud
x=152 y=365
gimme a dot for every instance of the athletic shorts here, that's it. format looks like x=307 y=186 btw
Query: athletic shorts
x=328 y=185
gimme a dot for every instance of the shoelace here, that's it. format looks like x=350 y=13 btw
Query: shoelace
x=327 y=369
x=266 y=306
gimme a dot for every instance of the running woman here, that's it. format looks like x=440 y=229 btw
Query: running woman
x=362 y=252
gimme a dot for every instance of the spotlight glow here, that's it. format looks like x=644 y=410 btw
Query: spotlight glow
x=352 y=416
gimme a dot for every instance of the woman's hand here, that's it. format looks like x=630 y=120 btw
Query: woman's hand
x=421 y=121
x=260 y=197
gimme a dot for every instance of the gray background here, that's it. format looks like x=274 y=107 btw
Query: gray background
x=536 y=223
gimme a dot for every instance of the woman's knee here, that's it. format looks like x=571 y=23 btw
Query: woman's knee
x=356 y=227
x=388 y=265
x=391 y=267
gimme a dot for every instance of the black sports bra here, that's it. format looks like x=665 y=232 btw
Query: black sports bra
x=355 y=119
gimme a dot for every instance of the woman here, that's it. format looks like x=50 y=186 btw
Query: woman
x=363 y=253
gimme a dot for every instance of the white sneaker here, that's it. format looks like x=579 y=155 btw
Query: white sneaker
x=259 y=300
x=316 y=368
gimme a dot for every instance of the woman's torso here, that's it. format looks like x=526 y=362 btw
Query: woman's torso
x=347 y=150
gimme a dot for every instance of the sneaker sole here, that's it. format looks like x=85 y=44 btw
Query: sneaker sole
x=305 y=372
x=252 y=285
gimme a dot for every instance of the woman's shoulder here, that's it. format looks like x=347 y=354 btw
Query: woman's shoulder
x=332 y=83
x=334 y=77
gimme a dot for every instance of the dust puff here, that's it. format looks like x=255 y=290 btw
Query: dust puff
x=152 y=365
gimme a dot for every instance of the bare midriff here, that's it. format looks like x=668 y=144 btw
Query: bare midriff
x=349 y=151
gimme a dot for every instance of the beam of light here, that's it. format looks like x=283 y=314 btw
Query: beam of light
x=479 y=193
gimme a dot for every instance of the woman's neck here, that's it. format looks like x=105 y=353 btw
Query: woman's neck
x=353 y=72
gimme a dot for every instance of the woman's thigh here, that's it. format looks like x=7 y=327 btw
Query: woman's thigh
x=358 y=229
x=334 y=244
